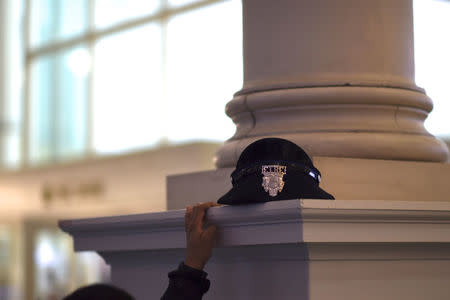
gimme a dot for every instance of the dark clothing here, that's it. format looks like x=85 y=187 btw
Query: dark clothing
x=186 y=283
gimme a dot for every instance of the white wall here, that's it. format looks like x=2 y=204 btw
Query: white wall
x=133 y=183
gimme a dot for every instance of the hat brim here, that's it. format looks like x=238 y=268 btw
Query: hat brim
x=297 y=186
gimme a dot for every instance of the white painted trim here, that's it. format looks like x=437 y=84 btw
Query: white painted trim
x=269 y=223
x=369 y=222
x=377 y=204
x=378 y=251
x=281 y=222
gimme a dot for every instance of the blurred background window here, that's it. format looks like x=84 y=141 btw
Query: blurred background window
x=432 y=52
x=58 y=105
x=96 y=77
x=58 y=270
x=109 y=76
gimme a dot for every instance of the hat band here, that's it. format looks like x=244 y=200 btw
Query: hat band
x=310 y=171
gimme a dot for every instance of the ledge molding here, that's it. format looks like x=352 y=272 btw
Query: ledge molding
x=281 y=222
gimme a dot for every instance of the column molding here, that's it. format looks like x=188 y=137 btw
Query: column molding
x=337 y=78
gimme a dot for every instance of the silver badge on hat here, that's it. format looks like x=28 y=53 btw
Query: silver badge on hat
x=273 y=179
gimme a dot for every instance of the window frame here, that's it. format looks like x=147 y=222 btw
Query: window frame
x=88 y=38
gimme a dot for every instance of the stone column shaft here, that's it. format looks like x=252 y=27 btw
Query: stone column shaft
x=336 y=77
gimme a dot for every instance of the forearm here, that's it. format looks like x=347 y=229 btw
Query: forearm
x=186 y=283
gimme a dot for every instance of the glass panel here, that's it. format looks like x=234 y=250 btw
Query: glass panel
x=58 y=120
x=204 y=70
x=128 y=90
x=42 y=109
x=431 y=24
x=72 y=103
x=55 y=19
x=111 y=12
x=13 y=78
x=58 y=270
x=90 y=268
x=11 y=149
x=52 y=265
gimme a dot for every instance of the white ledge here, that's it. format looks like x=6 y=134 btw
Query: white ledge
x=282 y=222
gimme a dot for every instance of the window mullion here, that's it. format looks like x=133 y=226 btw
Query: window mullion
x=26 y=114
x=164 y=101
x=55 y=110
x=4 y=122
x=89 y=146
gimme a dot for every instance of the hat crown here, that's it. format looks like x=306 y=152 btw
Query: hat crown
x=272 y=150
x=273 y=169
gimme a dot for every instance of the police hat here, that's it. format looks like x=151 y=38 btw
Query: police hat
x=274 y=169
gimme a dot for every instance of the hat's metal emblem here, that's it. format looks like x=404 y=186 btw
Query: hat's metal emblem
x=273 y=179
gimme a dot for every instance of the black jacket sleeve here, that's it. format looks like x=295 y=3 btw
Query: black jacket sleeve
x=186 y=283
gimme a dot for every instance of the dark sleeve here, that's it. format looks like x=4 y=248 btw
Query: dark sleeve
x=186 y=283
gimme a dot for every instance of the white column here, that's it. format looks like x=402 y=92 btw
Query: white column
x=336 y=77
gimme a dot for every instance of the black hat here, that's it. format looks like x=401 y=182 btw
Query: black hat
x=274 y=169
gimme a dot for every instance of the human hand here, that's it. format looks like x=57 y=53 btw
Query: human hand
x=199 y=241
